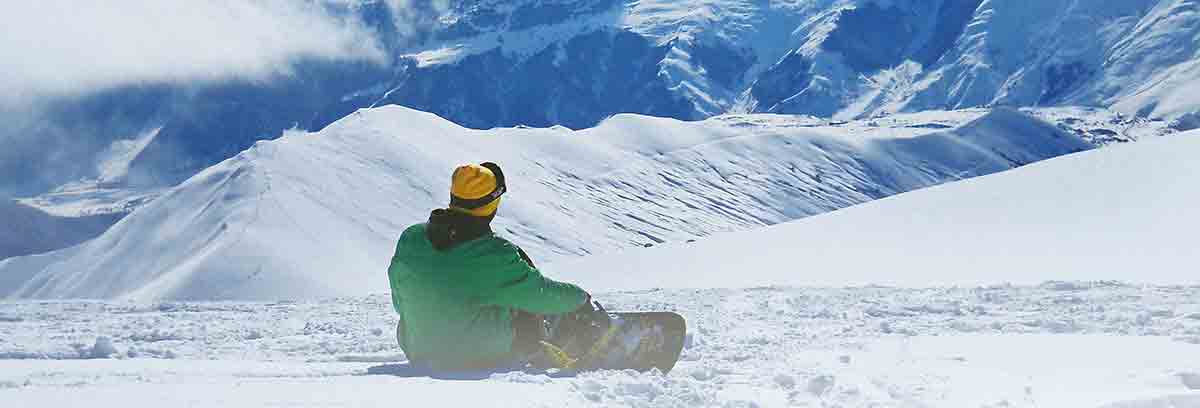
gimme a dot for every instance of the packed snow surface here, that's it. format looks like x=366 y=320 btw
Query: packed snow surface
x=317 y=215
x=1121 y=213
x=1058 y=344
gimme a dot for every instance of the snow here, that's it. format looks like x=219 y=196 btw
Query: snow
x=92 y=198
x=1104 y=127
x=937 y=259
x=1137 y=56
x=103 y=348
x=28 y=230
x=114 y=163
x=1161 y=58
x=800 y=334
x=258 y=384
x=1045 y=345
x=805 y=332
x=317 y=215
x=1065 y=364
x=1010 y=289
x=520 y=43
x=1110 y=214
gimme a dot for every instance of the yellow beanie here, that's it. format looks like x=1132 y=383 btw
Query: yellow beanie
x=472 y=182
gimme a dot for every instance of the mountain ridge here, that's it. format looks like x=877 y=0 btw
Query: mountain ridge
x=316 y=215
x=486 y=64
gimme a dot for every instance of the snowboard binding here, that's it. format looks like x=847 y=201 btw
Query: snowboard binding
x=574 y=339
x=593 y=338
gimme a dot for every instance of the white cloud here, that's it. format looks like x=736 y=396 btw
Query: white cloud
x=413 y=14
x=54 y=48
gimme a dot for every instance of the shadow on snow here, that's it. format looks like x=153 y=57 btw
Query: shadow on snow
x=409 y=370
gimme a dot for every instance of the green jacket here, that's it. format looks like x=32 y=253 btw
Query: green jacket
x=456 y=304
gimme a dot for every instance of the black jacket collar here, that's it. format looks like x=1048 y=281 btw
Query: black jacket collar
x=448 y=228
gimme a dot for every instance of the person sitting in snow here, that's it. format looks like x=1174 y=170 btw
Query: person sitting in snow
x=467 y=298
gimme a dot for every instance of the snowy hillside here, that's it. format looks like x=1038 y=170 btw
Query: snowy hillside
x=28 y=230
x=316 y=215
x=1118 y=214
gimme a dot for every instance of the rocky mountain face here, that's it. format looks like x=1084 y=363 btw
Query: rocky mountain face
x=490 y=63
x=560 y=62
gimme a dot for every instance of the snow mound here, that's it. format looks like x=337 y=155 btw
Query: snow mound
x=316 y=215
x=1120 y=213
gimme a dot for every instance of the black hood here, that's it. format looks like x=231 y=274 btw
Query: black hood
x=448 y=229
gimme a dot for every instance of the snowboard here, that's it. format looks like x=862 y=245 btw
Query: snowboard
x=603 y=340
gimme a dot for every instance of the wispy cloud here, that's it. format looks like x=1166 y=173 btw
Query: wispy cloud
x=413 y=15
x=57 y=48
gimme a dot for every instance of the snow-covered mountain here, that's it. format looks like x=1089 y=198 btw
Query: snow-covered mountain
x=190 y=127
x=488 y=63
x=484 y=63
x=314 y=215
x=754 y=339
x=580 y=60
x=852 y=202
x=29 y=230
x=1114 y=214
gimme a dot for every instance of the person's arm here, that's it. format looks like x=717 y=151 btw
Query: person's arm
x=393 y=279
x=521 y=286
x=393 y=283
x=398 y=268
x=525 y=257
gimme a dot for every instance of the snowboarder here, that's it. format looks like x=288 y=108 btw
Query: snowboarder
x=467 y=298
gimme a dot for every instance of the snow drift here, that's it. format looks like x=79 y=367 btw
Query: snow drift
x=313 y=215
x=1122 y=213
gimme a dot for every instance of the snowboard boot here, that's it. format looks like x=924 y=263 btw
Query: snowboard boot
x=575 y=338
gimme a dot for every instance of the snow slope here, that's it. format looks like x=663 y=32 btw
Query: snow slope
x=1049 y=345
x=316 y=215
x=1122 y=213
x=28 y=230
